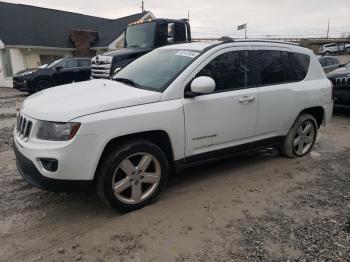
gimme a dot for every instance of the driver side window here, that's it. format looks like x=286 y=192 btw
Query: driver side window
x=231 y=70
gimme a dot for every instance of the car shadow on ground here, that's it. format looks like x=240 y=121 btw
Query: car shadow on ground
x=221 y=166
x=88 y=204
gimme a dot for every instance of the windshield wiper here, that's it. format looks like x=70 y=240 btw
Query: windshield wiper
x=128 y=82
x=134 y=46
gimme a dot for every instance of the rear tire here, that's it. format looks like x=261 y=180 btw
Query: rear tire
x=132 y=175
x=301 y=137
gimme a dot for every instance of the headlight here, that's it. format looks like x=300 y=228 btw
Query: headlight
x=57 y=131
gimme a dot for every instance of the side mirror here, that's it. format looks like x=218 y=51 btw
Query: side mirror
x=202 y=85
x=58 y=68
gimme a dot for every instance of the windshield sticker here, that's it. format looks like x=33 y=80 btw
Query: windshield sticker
x=187 y=53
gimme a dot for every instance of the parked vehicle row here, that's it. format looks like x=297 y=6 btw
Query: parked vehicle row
x=161 y=113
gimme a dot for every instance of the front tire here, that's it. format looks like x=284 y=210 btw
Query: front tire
x=132 y=175
x=301 y=137
x=42 y=84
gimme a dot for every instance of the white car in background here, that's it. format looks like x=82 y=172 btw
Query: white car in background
x=334 y=48
x=174 y=106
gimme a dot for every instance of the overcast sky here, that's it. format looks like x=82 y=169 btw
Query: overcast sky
x=288 y=18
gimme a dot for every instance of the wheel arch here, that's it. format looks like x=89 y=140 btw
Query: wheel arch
x=159 y=137
x=45 y=78
x=317 y=112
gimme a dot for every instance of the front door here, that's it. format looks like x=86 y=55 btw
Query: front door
x=227 y=117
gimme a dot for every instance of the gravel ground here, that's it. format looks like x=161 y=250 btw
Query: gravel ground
x=257 y=207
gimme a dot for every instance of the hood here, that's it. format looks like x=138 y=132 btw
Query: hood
x=64 y=103
x=31 y=71
x=340 y=72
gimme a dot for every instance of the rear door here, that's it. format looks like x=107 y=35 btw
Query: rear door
x=227 y=117
x=279 y=76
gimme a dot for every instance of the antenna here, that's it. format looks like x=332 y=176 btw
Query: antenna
x=143 y=6
x=188 y=15
x=328 y=29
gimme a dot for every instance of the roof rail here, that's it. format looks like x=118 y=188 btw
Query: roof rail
x=231 y=40
x=258 y=41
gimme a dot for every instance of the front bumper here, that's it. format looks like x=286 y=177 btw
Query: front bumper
x=32 y=175
x=22 y=85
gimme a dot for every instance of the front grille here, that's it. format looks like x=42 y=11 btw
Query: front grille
x=24 y=127
x=341 y=81
x=101 y=66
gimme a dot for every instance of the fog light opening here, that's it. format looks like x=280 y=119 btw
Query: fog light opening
x=49 y=164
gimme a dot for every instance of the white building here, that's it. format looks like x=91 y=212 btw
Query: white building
x=32 y=36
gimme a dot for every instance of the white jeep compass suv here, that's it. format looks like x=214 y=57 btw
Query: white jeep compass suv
x=176 y=105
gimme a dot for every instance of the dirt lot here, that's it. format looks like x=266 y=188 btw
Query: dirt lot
x=258 y=207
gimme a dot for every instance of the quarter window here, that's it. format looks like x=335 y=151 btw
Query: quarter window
x=300 y=65
x=270 y=67
x=231 y=70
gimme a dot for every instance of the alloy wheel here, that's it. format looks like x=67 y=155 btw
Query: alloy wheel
x=304 y=138
x=136 y=178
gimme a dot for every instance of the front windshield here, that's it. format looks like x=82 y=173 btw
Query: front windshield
x=140 y=35
x=56 y=62
x=156 y=69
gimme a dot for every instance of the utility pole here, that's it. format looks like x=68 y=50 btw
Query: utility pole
x=328 y=29
x=245 y=31
x=188 y=15
x=143 y=6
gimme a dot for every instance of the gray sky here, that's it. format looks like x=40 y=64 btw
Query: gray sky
x=289 y=18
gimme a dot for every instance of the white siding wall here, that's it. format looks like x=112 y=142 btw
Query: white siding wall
x=32 y=59
x=18 y=60
x=4 y=81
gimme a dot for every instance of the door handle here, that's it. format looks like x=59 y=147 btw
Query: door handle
x=247 y=99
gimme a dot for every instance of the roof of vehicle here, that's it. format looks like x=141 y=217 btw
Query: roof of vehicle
x=202 y=46
x=159 y=20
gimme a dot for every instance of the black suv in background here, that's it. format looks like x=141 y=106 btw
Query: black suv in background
x=59 y=72
x=341 y=81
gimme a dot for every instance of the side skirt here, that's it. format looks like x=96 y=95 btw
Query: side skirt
x=216 y=155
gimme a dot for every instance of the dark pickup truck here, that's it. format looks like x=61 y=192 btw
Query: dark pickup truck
x=139 y=39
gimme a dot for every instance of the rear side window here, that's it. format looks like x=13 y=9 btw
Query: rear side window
x=70 y=63
x=84 y=62
x=270 y=67
x=300 y=65
x=230 y=70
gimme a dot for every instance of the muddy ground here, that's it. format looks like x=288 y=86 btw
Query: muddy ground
x=258 y=207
